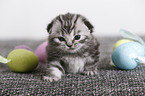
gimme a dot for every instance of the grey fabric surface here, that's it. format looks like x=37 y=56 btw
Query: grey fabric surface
x=108 y=81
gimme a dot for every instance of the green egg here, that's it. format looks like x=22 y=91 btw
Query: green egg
x=22 y=60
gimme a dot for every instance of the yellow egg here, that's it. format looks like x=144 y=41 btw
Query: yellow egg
x=121 y=42
x=22 y=60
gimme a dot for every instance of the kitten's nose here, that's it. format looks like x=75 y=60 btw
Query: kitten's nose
x=69 y=44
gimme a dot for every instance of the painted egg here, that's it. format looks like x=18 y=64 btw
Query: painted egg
x=22 y=60
x=124 y=55
x=23 y=47
x=119 y=42
x=122 y=41
x=41 y=52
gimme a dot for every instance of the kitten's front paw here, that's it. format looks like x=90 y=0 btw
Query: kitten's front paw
x=89 y=72
x=50 y=79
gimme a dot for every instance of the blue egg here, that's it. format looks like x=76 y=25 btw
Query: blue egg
x=124 y=55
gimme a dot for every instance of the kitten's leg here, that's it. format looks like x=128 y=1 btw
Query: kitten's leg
x=90 y=69
x=94 y=72
x=55 y=71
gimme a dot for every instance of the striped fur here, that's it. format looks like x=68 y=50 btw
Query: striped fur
x=71 y=47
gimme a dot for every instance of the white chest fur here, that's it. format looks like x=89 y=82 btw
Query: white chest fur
x=75 y=64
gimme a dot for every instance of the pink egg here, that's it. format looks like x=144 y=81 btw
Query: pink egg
x=23 y=47
x=41 y=52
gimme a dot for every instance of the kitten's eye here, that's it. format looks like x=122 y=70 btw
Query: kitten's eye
x=61 y=38
x=77 y=37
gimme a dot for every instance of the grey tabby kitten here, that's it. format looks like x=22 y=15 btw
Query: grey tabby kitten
x=71 y=47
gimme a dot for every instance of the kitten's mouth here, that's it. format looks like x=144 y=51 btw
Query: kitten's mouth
x=71 y=48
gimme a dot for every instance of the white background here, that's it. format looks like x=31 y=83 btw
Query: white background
x=28 y=19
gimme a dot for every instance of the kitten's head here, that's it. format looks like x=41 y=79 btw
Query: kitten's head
x=69 y=32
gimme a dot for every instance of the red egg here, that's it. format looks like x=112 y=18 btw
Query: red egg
x=41 y=52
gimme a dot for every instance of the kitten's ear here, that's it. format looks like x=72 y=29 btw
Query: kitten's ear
x=49 y=27
x=89 y=25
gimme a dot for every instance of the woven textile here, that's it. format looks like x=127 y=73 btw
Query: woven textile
x=108 y=81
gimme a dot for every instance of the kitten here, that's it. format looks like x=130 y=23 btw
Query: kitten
x=72 y=48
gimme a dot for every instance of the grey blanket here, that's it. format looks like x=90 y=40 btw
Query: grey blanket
x=108 y=81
